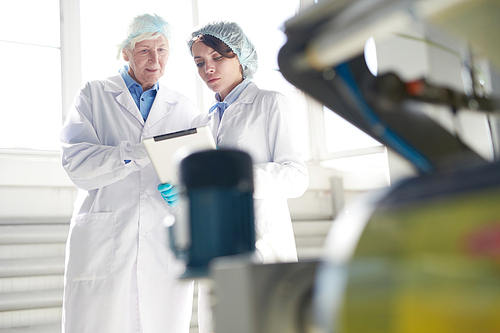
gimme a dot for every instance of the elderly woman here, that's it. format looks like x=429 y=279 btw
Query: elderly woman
x=119 y=273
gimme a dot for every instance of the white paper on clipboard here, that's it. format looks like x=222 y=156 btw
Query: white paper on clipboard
x=166 y=150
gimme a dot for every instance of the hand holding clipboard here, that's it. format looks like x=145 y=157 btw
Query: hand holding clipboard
x=167 y=149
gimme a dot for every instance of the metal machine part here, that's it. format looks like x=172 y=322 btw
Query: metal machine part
x=257 y=298
x=422 y=255
x=215 y=215
x=324 y=57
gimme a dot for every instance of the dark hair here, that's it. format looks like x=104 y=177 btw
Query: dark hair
x=216 y=44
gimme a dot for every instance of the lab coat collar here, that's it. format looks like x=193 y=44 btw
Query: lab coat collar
x=247 y=96
x=162 y=105
x=116 y=85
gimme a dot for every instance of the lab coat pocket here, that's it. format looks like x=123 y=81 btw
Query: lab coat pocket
x=90 y=246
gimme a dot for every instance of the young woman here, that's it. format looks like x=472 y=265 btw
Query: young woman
x=256 y=121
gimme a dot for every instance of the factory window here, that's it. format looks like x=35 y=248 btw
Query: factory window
x=30 y=89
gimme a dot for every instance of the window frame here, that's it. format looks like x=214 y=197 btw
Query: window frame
x=71 y=65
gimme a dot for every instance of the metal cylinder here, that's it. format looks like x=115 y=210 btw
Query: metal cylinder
x=215 y=217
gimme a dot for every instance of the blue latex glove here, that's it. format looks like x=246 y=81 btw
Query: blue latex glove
x=169 y=193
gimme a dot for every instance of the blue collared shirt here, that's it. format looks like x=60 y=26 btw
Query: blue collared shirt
x=230 y=99
x=143 y=100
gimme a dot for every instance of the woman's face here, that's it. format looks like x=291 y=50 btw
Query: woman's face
x=147 y=61
x=221 y=74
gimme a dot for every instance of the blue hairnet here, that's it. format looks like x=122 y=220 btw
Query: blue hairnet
x=145 y=23
x=232 y=35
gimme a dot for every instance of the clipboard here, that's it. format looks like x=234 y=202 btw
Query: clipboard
x=166 y=150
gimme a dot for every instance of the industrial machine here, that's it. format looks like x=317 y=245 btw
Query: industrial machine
x=422 y=255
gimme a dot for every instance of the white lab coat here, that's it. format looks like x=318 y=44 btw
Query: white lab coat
x=120 y=276
x=261 y=123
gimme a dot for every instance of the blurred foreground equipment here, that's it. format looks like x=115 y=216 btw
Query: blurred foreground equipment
x=324 y=56
x=215 y=215
x=424 y=254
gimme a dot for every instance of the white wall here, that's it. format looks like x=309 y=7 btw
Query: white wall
x=33 y=184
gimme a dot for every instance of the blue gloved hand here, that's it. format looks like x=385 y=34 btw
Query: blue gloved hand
x=169 y=193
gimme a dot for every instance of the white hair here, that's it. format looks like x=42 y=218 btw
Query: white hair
x=144 y=27
x=137 y=39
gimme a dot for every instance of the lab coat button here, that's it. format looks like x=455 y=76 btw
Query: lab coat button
x=145 y=195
